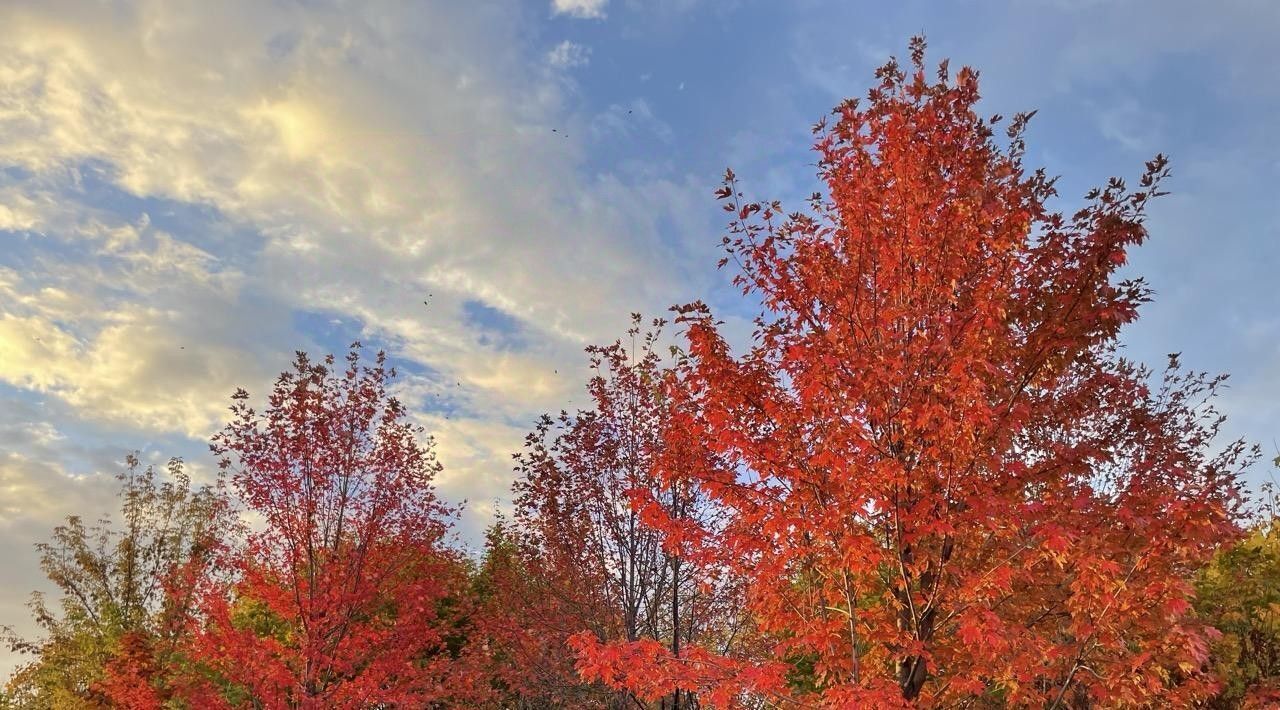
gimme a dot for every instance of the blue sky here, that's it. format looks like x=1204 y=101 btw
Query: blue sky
x=190 y=192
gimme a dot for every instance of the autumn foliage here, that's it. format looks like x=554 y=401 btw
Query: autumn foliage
x=117 y=631
x=931 y=478
x=345 y=593
x=944 y=481
x=577 y=555
x=1238 y=593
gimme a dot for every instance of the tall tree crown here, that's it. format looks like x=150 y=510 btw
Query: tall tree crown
x=944 y=480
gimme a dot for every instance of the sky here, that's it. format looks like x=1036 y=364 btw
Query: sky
x=190 y=192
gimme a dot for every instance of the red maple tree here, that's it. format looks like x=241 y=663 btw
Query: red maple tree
x=944 y=483
x=344 y=593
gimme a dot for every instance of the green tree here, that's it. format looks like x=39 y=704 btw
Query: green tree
x=1239 y=594
x=117 y=585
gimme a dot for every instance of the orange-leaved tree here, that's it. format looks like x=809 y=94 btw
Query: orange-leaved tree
x=944 y=483
x=344 y=593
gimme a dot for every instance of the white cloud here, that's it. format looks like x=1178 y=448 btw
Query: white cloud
x=355 y=156
x=460 y=189
x=125 y=337
x=586 y=9
x=568 y=55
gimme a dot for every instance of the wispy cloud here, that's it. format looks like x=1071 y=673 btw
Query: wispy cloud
x=586 y=9
x=568 y=55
